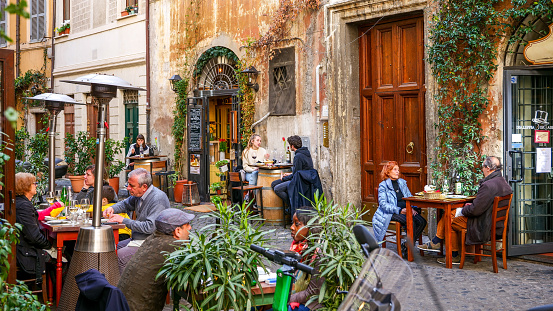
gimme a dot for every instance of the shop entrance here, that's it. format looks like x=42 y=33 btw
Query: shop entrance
x=528 y=125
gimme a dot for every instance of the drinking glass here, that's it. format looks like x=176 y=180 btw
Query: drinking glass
x=445 y=187
x=50 y=198
x=73 y=211
x=57 y=195
x=85 y=204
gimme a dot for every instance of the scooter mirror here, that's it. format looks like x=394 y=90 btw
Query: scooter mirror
x=365 y=238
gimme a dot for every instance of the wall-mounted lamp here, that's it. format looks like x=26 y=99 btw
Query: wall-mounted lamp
x=252 y=77
x=174 y=80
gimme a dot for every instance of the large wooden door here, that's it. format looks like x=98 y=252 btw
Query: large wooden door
x=392 y=93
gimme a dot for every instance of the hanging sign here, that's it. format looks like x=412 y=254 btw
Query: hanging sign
x=195 y=129
x=540 y=51
x=543 y=160
x=541 y=137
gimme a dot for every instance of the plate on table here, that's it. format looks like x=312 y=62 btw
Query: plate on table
x=420 y=193
x=456 y=196
x=58 y=222
x=47 y=218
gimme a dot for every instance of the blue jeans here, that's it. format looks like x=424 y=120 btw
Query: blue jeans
x=281 y=190
x=251 y=178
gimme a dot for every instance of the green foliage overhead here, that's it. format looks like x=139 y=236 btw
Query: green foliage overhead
x=13 y=296
x=462 y=57
x=340 y=257
x=215 y=51
x=217 y=268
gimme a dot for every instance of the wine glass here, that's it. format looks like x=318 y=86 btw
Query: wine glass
x=73 y=211
x=445 y=187
x=85 y=204
x=57 y=195
x=254 y=156
x=50 y=198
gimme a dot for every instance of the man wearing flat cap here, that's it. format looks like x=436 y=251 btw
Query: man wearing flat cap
x=138 y=281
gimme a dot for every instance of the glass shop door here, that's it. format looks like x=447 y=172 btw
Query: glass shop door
x=528 y=108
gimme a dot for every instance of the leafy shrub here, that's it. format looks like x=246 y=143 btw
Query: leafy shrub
x=80 y=149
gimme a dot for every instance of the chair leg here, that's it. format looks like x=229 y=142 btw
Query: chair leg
x=463 y=250
x=398 y=238
x=261 y=203
x=384 y=243
x=477 y=251
x=494 y=255
x=504 y=253
x=420 y=243
x=44 y=291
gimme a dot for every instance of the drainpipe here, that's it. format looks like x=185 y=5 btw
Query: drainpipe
x=319 y=112
x=148 y=71
x=17 y=43
x=53 y=56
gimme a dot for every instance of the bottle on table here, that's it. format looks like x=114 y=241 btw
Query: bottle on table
x=288 y=156
x=63 y=197
x=458 y=185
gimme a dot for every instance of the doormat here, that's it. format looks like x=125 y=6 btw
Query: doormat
x=543 y=258
x=202 y=208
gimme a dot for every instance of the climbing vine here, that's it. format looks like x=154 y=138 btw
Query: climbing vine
x=178 y=129
x=462 y=57
x=213 y=52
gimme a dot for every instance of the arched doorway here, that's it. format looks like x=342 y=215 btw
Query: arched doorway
x=528 y=107
x=215 y=114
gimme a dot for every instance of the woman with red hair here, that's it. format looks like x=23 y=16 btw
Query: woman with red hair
x=391 y=205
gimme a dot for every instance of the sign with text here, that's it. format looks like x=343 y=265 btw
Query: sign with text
x=195 y=129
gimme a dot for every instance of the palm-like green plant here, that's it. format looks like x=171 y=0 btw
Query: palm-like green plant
x=339 y=255
x=217 y=268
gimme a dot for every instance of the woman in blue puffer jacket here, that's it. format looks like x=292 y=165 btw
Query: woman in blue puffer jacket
x=391 y=205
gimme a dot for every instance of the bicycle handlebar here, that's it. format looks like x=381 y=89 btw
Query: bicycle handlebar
x=280 y=258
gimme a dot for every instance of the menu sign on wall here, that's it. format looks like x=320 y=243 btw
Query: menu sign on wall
x=540 y=51
x=195 y=129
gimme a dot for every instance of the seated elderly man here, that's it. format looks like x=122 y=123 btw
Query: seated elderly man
x=138 y=281
x=147 y=202
x=476 y=217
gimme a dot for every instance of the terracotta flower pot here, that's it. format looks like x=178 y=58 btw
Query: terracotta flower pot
x=219 y=191
x=114 y=182
x=77 y=182
x=177 y=191
x=124 y=13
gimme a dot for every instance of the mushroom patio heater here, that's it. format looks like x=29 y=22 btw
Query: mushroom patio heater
x=54 y=103
x=95 y=247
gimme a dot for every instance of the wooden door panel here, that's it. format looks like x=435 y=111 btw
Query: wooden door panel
x=412 y=116
x=409 y=57
x=387 y=128
x=384 y=59
x=367 y=164
x=365 y=58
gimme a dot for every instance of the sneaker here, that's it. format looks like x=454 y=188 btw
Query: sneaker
x=404 y=250
x=455 y=260
x=430 y=247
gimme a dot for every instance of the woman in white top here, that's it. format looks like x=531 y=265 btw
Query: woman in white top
x=250 y=156
x=137 y=149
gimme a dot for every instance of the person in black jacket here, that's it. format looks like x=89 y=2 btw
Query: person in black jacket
x=302 y=161
x=31 y=257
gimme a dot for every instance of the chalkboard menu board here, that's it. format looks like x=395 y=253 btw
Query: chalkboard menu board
x=195 y=128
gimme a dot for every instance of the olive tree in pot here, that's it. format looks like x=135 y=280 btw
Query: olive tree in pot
x=216 y=269
x=79 y=152
x=114 y=166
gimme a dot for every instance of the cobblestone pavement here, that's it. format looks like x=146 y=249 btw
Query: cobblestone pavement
x=524 y=285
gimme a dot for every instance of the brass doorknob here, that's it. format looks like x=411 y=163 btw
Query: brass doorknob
x=419 y=170
x=410 y=147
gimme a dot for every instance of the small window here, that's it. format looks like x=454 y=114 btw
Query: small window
x=131 y=3
x=38 y=20
x=130 y=97
x=3 y=22
x=66 y=10
x=282 y=89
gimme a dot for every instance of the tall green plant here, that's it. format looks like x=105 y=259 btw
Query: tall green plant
x=179 y=127
x=339 y=255
x=217 y=267
x=80 y=149
x=13 y=296
x=112 y=149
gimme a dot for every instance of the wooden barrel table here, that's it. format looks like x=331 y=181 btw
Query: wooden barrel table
x=273 y=209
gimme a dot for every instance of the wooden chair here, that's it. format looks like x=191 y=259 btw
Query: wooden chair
x=395 y=233
x=29 y=281
x=236 y=177
x=478 y=250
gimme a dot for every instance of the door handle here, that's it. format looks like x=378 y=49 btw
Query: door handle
x=410 y=147
x=511 y=152
x=419 y=170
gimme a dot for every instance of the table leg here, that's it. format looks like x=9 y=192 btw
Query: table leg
x=50 y=289
x=409 y=217
x=58 y=275
x=448 y=257
x=116 y=238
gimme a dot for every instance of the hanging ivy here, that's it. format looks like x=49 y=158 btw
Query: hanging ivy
x=247 y=104
x=213 y=52
x=462 y=58
x=178 y=129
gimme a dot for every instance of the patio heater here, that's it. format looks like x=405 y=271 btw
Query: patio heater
x=54 y=103
x=95 y=247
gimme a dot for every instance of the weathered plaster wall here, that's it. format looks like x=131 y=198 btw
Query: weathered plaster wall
x=176 y=46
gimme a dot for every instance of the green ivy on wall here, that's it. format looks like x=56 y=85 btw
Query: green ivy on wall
x=247 y=104
x=213 y=52
x=462 y=57
x=178 y=128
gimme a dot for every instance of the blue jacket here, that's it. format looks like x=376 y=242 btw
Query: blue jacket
x=387 y=206
x=96 y=294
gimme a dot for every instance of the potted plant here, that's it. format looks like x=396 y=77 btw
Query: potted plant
x=64 y=28
x=222 y=148
x=79 y=152
x=114 y=166
x=216 y=267
x=177 y=184
x=216 y=187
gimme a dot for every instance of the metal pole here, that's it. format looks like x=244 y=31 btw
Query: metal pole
x=52 y=151
x=100 y=150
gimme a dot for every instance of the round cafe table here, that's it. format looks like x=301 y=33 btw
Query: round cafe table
x=273 y=208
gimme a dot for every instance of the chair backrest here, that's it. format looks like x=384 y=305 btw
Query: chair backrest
x=235 y=177
x=159 y=164
x=498 y=215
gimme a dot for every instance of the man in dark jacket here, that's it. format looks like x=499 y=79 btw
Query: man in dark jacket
x=302 y=161
x=476 y=217
x=96 y=294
